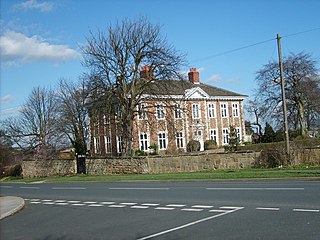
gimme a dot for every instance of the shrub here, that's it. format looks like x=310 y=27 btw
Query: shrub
x=15 y=171
x=193 y=146
x=154 y=149
x=138 y=153
x=210 y=144
x=271 y=158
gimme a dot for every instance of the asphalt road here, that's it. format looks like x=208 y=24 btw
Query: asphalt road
x=165 y=210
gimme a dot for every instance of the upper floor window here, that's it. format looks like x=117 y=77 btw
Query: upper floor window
x=160 y=111
x=177 y=111
x=195 y=111
x=142 y=113
x=211 y=110
x=106 y=119
x=224 y=110
x=235 y=109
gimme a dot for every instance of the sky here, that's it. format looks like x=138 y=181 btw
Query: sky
x=40 y=40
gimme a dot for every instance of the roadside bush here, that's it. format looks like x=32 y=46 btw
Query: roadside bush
x=271 y=158
x=193 y=146
x=210 y=144
x=138 y=153
x=15 y=171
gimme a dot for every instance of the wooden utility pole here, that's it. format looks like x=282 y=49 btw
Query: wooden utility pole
x=284 y=102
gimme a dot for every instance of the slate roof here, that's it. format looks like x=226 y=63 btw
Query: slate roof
x=178 y=87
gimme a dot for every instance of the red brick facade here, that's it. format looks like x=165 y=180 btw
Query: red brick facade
x=172 y=122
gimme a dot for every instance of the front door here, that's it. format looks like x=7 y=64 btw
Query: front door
x=199 y=137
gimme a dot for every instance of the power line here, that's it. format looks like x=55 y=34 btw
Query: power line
x=252 y=45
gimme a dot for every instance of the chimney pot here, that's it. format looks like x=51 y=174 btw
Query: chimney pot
x=146 y=73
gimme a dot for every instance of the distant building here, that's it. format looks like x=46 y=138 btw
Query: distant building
x=172 y=113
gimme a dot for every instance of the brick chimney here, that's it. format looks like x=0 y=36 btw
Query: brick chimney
x=194 y=76
x=146 y=73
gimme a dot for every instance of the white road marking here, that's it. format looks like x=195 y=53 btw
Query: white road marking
x=192 y=209
x=230 y=207
x=164 y=208
x=73 y=201
x=257 y=189
x=188 y=224
x=140 y=207
x=78 y=204
x=268 y=209
x=201 y=206
x=62 y=204
x=60 y=200
x=34 y=202
x=128 y=203
x=89 y=202
x=175 y=205
x=117 y=206
x=68 y=188
x=305 y=210
x=95 y=205
x=6 y=187
x=46 y=200
x=29 y=187
x=107 y=203
x=49 y=203
x=217 y=210
x=150 y=204
x=139 y=188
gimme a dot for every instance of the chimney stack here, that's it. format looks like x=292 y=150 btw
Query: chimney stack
x=194 y=76
x=146 y=73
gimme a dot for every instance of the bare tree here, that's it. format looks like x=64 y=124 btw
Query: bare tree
x=302 y=87
x=73 y=117
x=35 y=126
x=115 y=59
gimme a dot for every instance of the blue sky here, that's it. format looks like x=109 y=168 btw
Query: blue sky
x=40 y=39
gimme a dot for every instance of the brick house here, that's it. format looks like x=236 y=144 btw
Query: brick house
x=171 y=113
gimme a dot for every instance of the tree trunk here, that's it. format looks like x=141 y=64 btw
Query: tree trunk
x=301 y=118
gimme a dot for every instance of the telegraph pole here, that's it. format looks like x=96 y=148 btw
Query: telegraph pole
x=284 y=102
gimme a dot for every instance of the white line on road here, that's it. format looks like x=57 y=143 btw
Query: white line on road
x=139 y=188
x=6 y=187
x=201 y=206
x=230 y=207
x=217 y=210
x=150 y=204
x=46 y=200
x=305 y=210
x=35 y=202
x=107 y=203
x=117 y=206
x=68 y=188
x=188 y=224
x=62 y=204
x=257 y=189
x=268 y=209
x=175 y=205
x=140 y=207
x=78 y=204
x=164 y=208
x=192 y=209
x=60 y=200
x=89 y=202
x=49 y=203
x=128 y=203
x=29 y=187
x=95 y=205
x=73 y=201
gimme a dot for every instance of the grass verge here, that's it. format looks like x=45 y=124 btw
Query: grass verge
x=226 y=174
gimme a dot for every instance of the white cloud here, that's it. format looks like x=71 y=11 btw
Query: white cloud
x=18 y=48
x=6 y=99
x=34 y=4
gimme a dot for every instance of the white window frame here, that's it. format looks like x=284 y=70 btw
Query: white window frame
x=214 y=134
x=179 y=139
x=119 y=144
x=238 y=130
x=196 y=111
x=107 y=143
x=142 y=114
x=224 y=110
x=106 y=119
x=162 y=140
x=96 y=144
x=144 y=143
x=160 y=111
x=225 y=136
x=177 y=111
x=235 y=109
x=211 y=110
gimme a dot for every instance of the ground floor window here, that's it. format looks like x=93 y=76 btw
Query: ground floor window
x=225 y=136
x=107 y=140
x=162 y=141
x=214 y=135
x=179 y=139
x=96 y=143
x=144 y=142
x=119 y=144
